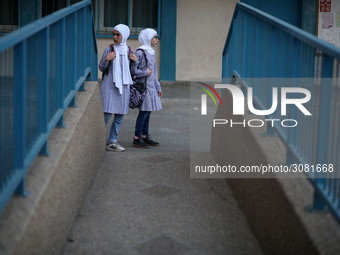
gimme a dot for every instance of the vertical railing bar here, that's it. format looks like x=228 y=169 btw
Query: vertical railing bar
x=84 y=31
x=324 y=117
x=335 y=126
x=257 y=43
x=43 y=85
x=303 y=134
x=75 y=49
x=310 y=120
x=98 y=15
x=245 y=52
x=291 y=133
x=61 y=77
x=333 y=129
x=233 y=39
x=61 y=94
x=20 y=52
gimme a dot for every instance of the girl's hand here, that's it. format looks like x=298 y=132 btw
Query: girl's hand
x=160 y=93
x=149 y=71
x=133 y=57
x=110 y=56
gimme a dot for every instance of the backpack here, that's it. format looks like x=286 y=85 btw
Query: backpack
x=108 y=67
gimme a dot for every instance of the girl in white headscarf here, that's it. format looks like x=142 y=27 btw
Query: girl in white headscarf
x=115 y=88
x=146 y=69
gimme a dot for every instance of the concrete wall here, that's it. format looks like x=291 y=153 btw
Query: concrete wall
x=102 y=43
x=42 y=222
x=275 y=208
x=202 y=28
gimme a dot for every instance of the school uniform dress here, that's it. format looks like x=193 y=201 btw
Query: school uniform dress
x=152 y=101
x=112 y=101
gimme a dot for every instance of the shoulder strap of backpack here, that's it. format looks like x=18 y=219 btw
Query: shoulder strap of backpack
x=146 y=60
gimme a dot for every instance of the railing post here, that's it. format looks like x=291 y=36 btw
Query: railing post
x=20 y=60
x=76 y=59
x=245 y=48
x=324 y=119
x=44 y=57
x=233 y=48
x=295 y=71
x=21 y=189
x=20 y=65
x=61 y=79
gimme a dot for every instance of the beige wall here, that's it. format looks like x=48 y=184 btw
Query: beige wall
x=202 y=28
x=102 y=43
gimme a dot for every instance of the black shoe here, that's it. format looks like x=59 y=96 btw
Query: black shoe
x=139 y=143
x=150 y=142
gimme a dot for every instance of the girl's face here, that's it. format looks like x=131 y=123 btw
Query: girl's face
x=117 y=37
x=154 y=40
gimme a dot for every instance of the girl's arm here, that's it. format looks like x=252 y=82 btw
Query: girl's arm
x=138 y=68
x=103 y=65
x=156 y=81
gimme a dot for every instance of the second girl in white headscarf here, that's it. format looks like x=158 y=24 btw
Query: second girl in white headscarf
x=146 y=69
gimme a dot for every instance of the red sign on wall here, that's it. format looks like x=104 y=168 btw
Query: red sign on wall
x=325 y=5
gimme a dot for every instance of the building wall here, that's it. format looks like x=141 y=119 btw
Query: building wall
x=202 y=28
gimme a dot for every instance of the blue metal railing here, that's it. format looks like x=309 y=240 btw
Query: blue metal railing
x=42 y=66
x=260 y=46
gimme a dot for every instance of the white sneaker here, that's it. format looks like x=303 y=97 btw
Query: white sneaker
x=114 y=147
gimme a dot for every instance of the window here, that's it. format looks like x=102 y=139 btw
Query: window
x=8 y=16
x=50 y=6
x=112 y=12
x=10 y=11
x=137 y=14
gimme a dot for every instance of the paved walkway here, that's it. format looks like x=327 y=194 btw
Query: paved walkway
x=143 y=201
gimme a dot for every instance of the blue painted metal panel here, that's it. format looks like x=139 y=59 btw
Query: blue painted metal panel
x=287 y=10
x=168 y=43
x=45 y=67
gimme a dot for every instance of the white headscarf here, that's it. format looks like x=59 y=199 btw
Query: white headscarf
x=145 y=37
x=121 y=56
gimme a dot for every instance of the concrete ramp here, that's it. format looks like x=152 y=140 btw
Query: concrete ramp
x=143 y=201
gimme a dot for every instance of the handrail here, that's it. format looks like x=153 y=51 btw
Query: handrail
x=42 y=67
x=296 y=32
x=260 y=46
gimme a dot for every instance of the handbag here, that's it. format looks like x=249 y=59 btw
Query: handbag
x=136 y=97
x=138 y=90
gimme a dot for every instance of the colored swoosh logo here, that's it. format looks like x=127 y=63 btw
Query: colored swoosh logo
x=208 y=94
x=213 y=90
